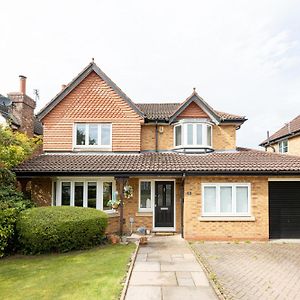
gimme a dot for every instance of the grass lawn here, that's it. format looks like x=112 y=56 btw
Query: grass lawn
x=89 y=274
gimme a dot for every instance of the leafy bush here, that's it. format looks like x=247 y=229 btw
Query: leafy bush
x=60 y=229
x=15 y=147
x=11 y=204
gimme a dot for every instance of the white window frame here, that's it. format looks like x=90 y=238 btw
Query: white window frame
x=85 y=180
x=281 y=147
x=142 y=209
x=184 y=135
x=218 y=213
x=87 y=146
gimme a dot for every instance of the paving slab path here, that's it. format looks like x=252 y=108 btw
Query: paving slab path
x=167 y=269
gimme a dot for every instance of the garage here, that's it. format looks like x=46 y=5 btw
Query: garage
x=284 y=209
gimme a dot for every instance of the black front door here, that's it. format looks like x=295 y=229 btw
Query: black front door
x=164 y=204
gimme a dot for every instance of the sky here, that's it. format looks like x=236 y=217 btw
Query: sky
x=243 y=57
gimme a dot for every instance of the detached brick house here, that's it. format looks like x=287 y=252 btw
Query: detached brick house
x=180 y=159
x=286 y=139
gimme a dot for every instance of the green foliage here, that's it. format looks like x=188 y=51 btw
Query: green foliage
x=11 y=203
x=60 y=229
x=15 y=147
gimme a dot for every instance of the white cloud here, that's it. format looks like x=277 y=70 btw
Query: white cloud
x=243 y=56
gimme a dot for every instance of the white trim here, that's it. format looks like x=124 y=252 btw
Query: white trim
x=226 y=214
x=152 y=192
x=153 y=219
x=283 y=179
x=281 y=147
x=99 y=196
x=87 y=146
x=184 y=135
x=226 y=219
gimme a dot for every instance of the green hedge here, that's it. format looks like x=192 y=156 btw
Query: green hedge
x=60 y=229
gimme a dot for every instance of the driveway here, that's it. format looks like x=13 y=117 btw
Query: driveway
x=253 y=270
x=167 y=269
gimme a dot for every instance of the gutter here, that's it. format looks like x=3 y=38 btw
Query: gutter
x=178 y=174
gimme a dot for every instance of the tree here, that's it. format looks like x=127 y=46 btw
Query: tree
x=15 y=147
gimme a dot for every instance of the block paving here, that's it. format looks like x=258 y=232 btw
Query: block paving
x=254 y=270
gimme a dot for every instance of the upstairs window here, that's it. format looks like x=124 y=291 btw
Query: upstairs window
x=93 y=135
x=193 y=135
x=283 y=146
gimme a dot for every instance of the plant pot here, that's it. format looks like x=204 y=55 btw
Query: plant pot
x=115 y=206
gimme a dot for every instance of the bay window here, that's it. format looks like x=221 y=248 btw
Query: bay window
x=92 y=135
x=224 y=199
x=193 y=135
x=84 y=192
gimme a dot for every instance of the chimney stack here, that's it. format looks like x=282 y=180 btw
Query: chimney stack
x=22 y=84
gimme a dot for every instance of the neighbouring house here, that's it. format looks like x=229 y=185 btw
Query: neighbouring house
x=17 y=111
x=286 y=139
x=181 y=160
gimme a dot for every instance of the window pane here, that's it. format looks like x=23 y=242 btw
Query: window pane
x=145 y=194
x=168 y=194
x=242 y=199
x=208 y=135
x=80 y=134
x=54 y=193
x=78 y=195
x=225 y=199
x=199 y=134
x=93 y=134
x=178 y=136
x=92 y=194
x=190 y=134
x=210 y=201
x=105 y=134
x=65 y=193
x=107 y=194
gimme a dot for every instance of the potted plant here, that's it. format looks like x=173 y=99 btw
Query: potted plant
x=114 y=203
x=128 y=191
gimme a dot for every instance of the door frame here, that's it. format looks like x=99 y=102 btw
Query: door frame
x=165 y=228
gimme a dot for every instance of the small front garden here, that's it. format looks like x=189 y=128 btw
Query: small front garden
x=90 y=274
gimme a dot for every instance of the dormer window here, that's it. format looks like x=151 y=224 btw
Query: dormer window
x=92 y=135
x=193 y=135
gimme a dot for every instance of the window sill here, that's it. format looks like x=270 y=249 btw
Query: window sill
x=92 y=149
x=226 y=219
x=111 y=214
x=144 y=214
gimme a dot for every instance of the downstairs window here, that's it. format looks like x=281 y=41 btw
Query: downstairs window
x=226 y=199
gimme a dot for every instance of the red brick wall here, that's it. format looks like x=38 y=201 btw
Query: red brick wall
x=193 y=111
x=92 y=101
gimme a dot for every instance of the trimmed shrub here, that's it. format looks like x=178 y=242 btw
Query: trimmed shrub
x=60 y=229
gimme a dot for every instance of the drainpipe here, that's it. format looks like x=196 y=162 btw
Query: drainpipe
x=156 y=137
x=182 y=203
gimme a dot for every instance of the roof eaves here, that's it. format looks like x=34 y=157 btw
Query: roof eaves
x=200 y=102
x=76 y=81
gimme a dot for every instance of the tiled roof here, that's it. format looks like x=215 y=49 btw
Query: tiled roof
x=241 y=161
x=38 y=127
x=288 y=129
x=163 y=111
